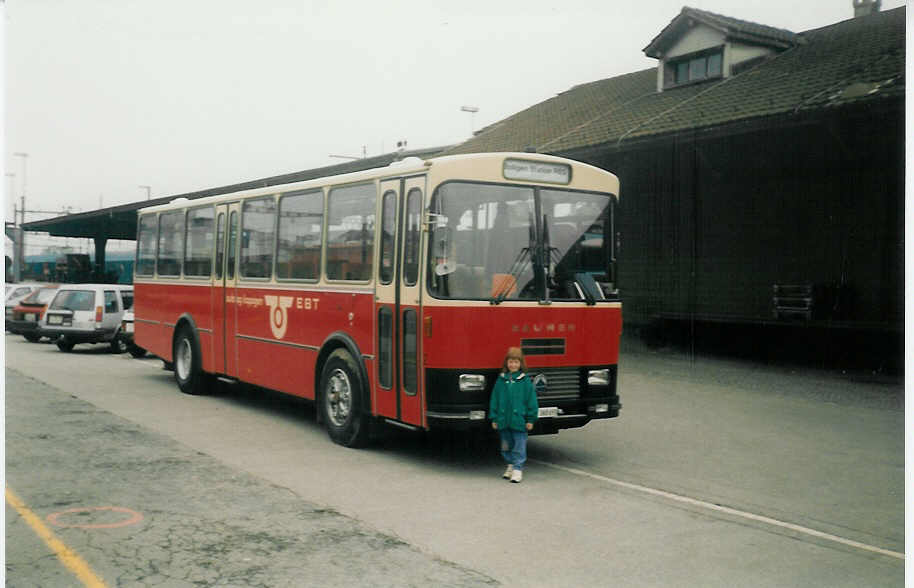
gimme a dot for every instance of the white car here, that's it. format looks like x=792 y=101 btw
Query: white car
x=88 y=313
x=127 y=335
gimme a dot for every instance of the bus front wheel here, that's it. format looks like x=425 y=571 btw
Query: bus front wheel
x=341 y=401
x=188 y=366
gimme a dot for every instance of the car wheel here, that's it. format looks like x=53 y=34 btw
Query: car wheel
x=118 y=345
x=136 y=351
x=65 y=344
x=32 y=337
x=188 y=368
x=341 y=401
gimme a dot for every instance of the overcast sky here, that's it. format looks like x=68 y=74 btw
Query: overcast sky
x=181 y=95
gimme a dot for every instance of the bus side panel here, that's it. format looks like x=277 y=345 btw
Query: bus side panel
x=157 y=308
x=280 y=333
x=477 y=337
x=150 y=310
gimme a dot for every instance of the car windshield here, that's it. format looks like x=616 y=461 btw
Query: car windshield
x=74 y=300
x=487 y=244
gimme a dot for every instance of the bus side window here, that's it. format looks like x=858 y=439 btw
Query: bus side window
x=298 y=243
x=388 y=231
x=146 y=246
x=258 y=219
x=171 y=243
x=232 y=245
x=351 y=232
x=220 y=244
x=198 y=244
x=412 y=236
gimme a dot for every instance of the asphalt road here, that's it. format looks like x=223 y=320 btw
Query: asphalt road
x=718 y=473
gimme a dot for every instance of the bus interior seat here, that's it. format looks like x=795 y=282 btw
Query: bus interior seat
x=503 y=285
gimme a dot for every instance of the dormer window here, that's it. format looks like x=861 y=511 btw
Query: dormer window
x=695 y=67
x=698 y=45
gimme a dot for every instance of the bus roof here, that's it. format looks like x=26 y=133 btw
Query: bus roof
x=484 y=166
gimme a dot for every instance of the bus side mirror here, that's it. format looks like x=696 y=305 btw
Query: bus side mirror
x=441 y=243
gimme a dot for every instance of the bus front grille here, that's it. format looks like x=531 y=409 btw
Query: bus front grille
x=556 y=383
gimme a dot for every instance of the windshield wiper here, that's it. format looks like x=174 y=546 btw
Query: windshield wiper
x=551 y=259
x=520 y=265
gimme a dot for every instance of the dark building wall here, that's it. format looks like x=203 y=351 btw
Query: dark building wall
x=711 y=221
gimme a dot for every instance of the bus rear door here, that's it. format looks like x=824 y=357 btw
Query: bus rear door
x=224 y=290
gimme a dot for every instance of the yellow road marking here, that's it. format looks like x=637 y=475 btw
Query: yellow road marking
x=67 y=556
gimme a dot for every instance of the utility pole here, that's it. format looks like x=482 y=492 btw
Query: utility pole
x=20 y=255
x=148 y=190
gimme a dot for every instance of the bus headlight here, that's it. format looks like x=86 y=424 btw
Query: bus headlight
x=598 y=377
x=472 y=382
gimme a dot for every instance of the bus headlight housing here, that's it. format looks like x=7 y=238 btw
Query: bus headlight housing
x=472 y=382
x=598 y=377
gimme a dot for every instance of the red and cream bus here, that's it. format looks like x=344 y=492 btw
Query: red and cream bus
x=391 y=295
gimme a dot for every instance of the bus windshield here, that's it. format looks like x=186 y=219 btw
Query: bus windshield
x=502 y=242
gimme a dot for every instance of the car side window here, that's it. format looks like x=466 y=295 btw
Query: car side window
x=127 y=298
x=110 y=301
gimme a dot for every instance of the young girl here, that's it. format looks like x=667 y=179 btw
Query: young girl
x=513 y=410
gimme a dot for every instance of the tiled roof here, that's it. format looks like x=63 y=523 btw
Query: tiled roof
x=733 y=27
x=855 y=60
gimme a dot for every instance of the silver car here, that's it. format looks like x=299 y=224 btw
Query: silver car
x=88 y=313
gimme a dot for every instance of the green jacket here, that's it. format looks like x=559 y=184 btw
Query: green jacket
x=513 y=403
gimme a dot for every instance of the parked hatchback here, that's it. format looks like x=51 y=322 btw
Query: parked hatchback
x=15 y=293
x=28 y=313
x=87 y=313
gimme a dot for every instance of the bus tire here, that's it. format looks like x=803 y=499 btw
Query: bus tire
x=341 y=401
x=32 y=337
x=65 y=344
x=187 y=363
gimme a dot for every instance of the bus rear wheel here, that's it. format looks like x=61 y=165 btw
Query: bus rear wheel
x=341 y=401
x=188 y=365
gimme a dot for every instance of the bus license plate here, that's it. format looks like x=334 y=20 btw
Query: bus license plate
x=548 y=411
x=31 y=316
x=55 y=319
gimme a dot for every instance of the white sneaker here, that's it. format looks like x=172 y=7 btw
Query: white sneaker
x=508 y=471
x=517 y=476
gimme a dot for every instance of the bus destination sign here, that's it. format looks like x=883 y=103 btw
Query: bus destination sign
x=537 y=171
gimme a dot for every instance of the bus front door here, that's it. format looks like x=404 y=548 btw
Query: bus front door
x=397 y=303
x=224 y=307
x=409 y=300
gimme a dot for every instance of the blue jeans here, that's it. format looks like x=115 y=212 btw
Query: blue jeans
x=514 y=447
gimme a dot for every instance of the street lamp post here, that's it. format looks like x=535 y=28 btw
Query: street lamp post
x=472 y=110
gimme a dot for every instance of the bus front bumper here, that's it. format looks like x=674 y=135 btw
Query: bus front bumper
x=567 y=418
